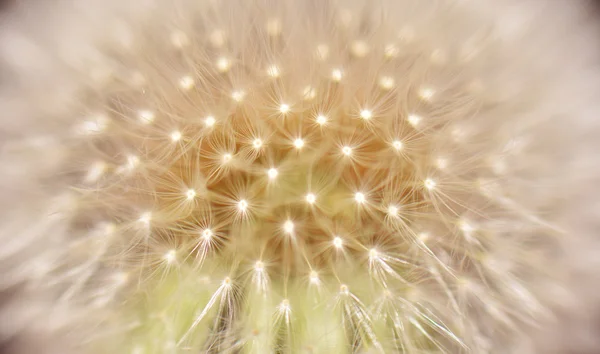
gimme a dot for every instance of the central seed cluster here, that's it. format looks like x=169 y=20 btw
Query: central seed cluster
x=271 y=160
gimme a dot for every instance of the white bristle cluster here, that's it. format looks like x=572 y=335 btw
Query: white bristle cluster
x=290 y=177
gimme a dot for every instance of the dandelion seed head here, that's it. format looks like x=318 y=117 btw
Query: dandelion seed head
x=340 y=136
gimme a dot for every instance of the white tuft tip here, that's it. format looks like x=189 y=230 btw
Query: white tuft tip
x=321 y=119
x=186 y=82
x=273 y=71
x=299 y=143
x=347 y=150
x=360 y=198
x=314 y=277
x=429 y=184
x=238 y=95
x=397 y=144
x=257 y=143
x=190 y=194
x=223 y=64
x=336 y=75
x=176 y=136
x=207 y=234
x=414 y=120
x=426 y=94
x=288 y=227
x=146 y=116
x=337 y=242
x=366 y=114
x=170 y=256
x=311 y=198
x=272 y=173
x=284 y=108
x=242 y=205
x=210 y=121
x=387 y=82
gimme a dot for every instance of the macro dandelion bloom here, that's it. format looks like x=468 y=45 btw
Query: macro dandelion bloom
x=296 y=176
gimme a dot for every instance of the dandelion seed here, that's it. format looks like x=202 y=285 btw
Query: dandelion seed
x=176 y=136
x=273 y=71
x=288 y=227
x=257 y=143
x=429 y=184
x=393 y=210
x=227 y=158
x=373 y=254
x=210 y=121
x=414 y=120
x=238 y=95
x=366 y=114
x=95 y=126
x=337 y=242
x=223 y=64
x=170 y=256
x=336 y=75
x=272 y=173
x=321 y=119
x=360 y=48
x=391 y=51
x=190 y=194
x=186 y=82
x=132 y=161
x=299 y=143
x=242 y=205
x=96 y=171
x=441 y=163
x=387 y=82
x=284 y=108
x=145 y=218
x=146 y=116
x=311 y=198
x=207 y=234
x=397 y=144
x=314 y=277
x=360 y=198
x=426 y=94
